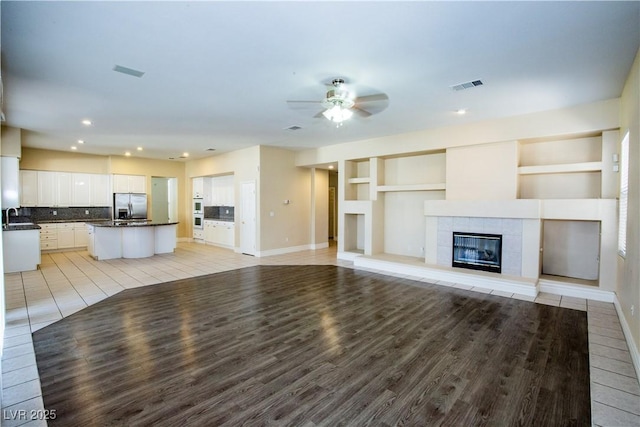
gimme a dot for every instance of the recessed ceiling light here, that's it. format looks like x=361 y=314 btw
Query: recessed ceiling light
x=127 y=153
x=139 y=148
x=73 y=147
x=185 y=154
x=330 y=166
x=81 y=141
x=461 y=111
x=87 y=122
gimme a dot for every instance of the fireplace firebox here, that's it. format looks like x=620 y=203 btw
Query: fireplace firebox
x=477 y=251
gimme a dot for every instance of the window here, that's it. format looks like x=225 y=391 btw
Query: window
x=624 y=196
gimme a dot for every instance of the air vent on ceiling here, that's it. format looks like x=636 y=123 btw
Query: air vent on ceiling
x=210 y=149
x=467 y=85
x=128 y=71
x=292 y=128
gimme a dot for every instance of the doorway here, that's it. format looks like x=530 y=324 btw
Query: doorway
x=164 y=200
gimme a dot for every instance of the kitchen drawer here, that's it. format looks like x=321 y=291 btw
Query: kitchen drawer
x=65 y=226
x=48 y=244
x=48 y=236
x=47 y=226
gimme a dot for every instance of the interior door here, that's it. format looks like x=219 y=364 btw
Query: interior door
x=248 y=219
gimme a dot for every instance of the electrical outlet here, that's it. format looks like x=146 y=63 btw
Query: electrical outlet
x=55 y=213
x=86 y=212
x=633 y=309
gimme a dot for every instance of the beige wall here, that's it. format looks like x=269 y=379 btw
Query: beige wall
x=483 y=172
x=38 y=159
x=284 y=225
x=11 y=139
x=319 y=206
x=628 y=288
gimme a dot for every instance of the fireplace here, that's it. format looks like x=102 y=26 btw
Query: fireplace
x=477 y=251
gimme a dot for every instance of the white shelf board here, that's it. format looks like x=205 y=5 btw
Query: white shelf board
x=564 y=168
x=412 y=187
x=363 y=180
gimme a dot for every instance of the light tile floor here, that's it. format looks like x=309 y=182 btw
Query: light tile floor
x=70 y=281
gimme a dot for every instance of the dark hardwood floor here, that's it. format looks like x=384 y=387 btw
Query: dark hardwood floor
x=314 y=345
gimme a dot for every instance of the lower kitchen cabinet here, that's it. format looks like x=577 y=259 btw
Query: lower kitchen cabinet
x=63 y=235
x=219 y=233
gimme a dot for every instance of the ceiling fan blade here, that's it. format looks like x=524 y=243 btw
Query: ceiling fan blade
x=359 y=111
x=371 y=98
x=304 y=102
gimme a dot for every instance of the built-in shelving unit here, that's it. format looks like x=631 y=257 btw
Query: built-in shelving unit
x=412 y=187
x=563 y=168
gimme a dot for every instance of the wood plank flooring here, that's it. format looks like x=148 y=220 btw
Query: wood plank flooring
x=314 y=345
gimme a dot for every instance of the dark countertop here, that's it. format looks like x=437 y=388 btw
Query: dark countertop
x=218 y=219
x=132 y=223
x=21 y=227
x=58 y=221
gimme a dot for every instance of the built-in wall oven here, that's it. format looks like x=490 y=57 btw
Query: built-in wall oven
x=198 y=214
x=198 y=221
x=198 y=206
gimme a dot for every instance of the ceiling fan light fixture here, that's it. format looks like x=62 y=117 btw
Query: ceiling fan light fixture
x=337 y=113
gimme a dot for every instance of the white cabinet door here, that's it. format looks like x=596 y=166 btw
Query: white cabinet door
x=129 y=184
x=100 y=194
x=66 y=236
x=47 y=192
x=64 y=189
x=81 y=186
x=81 y=237
x=209 y=231
x=198 y=188
x=137 y=184
x=206 y=192
x=120 y=183
x=228 y=236
x=28 y=188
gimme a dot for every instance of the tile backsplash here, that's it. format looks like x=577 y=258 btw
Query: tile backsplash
x=223 y=213
x=61 y=214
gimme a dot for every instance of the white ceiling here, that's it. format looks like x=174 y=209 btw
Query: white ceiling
x=219 y=74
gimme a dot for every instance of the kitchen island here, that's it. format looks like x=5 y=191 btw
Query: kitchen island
x=130 y=239
x=21 y=244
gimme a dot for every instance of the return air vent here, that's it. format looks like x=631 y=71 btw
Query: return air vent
x=292 y=128
x=128 y=71
x=467 y=85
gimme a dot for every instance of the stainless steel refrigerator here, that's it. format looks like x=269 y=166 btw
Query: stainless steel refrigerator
x=129 y=206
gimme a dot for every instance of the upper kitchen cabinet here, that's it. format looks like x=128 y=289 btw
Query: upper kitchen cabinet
x=55 y=188
x=100 y=190
x=198 y=188
x=28 y=188
x=129 y=184
x=222 y=191
x=81 y=183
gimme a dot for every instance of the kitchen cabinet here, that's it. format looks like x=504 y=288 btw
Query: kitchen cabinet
x=219 y=233
x=222 y=189
x=66 y=236
x=10 y=182
x=80 y=235
x=54 y=189
x=22 y=250
x=198 y=188
x=28 y=188
x=81 y=189
x=129 y=183
x=100 y=190
x=51 y=189
x=63 y=235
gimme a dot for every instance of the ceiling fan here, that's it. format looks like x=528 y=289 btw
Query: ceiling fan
x=340 y=104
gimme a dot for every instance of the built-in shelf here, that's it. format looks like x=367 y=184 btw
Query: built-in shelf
x=412 y=187
x=563 y=168
x=362 y=180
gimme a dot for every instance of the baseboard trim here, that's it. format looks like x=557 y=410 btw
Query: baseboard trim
x=576 y=291
x=282 y=251
x=347 y=256
x=633 y=348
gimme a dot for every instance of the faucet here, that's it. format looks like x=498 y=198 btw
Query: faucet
x=7 y=214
